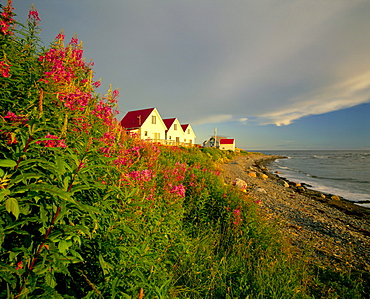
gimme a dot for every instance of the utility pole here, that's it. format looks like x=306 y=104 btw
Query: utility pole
x=215 y=135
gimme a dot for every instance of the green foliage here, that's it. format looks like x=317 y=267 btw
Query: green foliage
x=88 y=211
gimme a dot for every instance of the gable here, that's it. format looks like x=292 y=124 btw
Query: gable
x=135 y=119
x=188 y=127
x=168 y=122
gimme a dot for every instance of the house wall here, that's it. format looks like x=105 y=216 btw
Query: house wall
x=177 y=135
x=230 y=147
x=152 y=131
x=189 y=135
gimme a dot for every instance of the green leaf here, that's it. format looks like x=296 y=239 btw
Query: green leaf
x=105 y=266
x=53 y=190
x=3 y=193
x=63 y=246
x=12 y=206
x=49 y=279
x=79 y=188
x=7 y=163
x=60 y=165
x=24 y=177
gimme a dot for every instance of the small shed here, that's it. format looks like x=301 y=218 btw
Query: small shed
x=227 y=144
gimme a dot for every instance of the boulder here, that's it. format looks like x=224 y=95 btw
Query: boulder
x=260 y=190
x=262 y=175
x=252 y=174
x=240 y=184
x=284 y=183
x=335 y=197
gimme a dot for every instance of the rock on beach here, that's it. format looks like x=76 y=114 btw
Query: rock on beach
x=337 y=231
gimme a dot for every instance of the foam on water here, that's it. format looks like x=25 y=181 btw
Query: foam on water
x=343 y=173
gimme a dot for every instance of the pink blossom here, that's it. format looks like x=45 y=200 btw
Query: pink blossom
x=180 y=190
x=237 y=216
x=6 y=20
x=33 y=15
x=19 y=265
x=96 y=84
x=5 y=69
x=145 y=175
x=15 y=118
x=60 y=36
x=73 y=41
x=53 y=141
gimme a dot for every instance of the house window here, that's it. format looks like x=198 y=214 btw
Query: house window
x=188 y=131
x=170 y=138
x=184 y=140
x=175 y=126
x=153 y=119
x=145 y=133
x=177 y=139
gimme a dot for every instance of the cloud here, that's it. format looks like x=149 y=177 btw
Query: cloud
x=342 y=95
x=213 y=119
x=243 y=120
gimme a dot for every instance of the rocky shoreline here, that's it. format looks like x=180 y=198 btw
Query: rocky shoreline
x=332 y=230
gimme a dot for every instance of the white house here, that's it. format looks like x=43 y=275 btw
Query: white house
x=189 y=135
x=174 y=133
x=220 y=143
x=147 y=123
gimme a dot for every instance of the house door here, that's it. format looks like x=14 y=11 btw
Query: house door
x=156 y=136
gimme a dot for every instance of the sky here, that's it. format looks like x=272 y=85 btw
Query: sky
x=273 y=74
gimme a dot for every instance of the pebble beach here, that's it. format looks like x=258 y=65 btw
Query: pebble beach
x=334 y=232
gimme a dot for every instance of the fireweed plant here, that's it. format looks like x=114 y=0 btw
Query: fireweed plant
x=89 y=211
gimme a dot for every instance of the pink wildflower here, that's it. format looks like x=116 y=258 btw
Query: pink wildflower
x=73 y=41
x=33 y=15
x=5 y=69
x=237 y=216
x=180 y=190
x=16 y=118
x=6 y=19
x=96 y=84
x=53 y=141
x=19 y=265
x=60 y=37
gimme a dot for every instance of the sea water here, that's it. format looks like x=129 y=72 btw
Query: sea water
x=340 y=172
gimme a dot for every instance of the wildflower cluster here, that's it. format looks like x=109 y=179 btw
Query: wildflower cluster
x=52 y=141
x=6 y=19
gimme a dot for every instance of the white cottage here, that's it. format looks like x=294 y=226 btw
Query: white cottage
x=174 y=133
x=147 y=123
x=189 y=135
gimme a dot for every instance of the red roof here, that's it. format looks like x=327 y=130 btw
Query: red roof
x=184 y=127
x=227 y=141
x=135 y=119
x=168 y=122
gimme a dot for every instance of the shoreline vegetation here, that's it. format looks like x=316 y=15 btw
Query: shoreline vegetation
x=89 y=211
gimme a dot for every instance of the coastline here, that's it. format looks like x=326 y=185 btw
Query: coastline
x=336 y=232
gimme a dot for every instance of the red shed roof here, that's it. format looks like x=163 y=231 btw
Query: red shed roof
x=135 y=119
x=227 y=141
